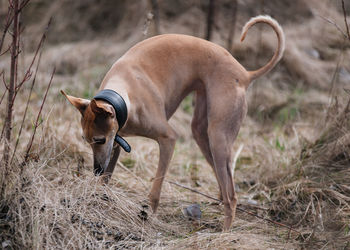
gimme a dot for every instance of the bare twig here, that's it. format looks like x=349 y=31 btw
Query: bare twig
x=195 y=191
x=239 y=209
x=26 y=77
x=3 y=95
x=23 y=4
x=28 y=73
x=6 y=50
x=4 y=81
x=335 y=25
x=17 y=53
x=26 y=109
x=37 y=123
x=9 y=19
x=2 y=133
x=345 y=21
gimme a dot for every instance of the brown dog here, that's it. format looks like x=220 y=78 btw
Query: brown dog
x=151 y=80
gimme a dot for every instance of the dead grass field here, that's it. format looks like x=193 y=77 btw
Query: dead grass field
x=294 y=166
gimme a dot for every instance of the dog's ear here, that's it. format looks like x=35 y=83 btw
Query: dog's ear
x=79 y=103
x=101 y=108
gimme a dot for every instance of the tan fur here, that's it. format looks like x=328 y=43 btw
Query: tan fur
x=279 y=50
x=153 y=77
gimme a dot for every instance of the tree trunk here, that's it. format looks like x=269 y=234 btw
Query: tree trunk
x=155 y=10
x=210 y=19
x=231 y=33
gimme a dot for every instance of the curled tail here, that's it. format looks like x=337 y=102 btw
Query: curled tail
x=280 y=47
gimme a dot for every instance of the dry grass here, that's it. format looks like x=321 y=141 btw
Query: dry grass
x=293 y=167
x=316 y=196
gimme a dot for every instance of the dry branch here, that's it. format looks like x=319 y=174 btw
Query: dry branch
x=37 y=124
x=335 y=25
x=3 y=95
x=239 y=209
x=27 y=105
x=9 y=20
x=28 y=72
x=345 y=21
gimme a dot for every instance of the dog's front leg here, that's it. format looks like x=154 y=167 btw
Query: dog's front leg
x=166 y=149
x=107 y=174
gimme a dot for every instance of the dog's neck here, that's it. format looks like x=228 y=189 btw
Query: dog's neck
x=118 y=103
x=118 y=85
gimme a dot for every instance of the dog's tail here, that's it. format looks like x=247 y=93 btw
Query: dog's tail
x=280 y=47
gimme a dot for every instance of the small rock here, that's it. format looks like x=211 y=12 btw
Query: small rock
x=313 y=53
x=252 y=202
x=193 y=212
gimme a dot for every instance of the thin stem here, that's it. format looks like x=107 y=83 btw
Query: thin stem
x=26 y=109
x=37 y=121
x=239 y=209
x=345 y=21
x=28 y=73
x=3 y=95
x=335 y=25
x=9 y=20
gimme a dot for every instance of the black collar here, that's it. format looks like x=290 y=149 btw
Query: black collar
x=121 y=112
x=118 y=103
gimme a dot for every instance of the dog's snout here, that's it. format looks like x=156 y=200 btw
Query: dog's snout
x=102 y=154
x=98 y=170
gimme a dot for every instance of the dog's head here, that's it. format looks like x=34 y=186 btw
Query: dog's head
x=99 y=127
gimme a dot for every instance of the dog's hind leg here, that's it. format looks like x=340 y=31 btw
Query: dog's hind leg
x=222 y=159
x=226 y=112
x=199 y=127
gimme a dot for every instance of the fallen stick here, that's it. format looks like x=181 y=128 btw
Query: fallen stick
x=239 y=209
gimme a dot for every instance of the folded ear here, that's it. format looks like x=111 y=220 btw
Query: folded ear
x=101 y=108
x=79 y=103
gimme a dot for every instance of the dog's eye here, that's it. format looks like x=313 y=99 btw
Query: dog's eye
x=99 y=140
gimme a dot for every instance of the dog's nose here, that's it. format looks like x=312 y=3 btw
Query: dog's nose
x=98 y=170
